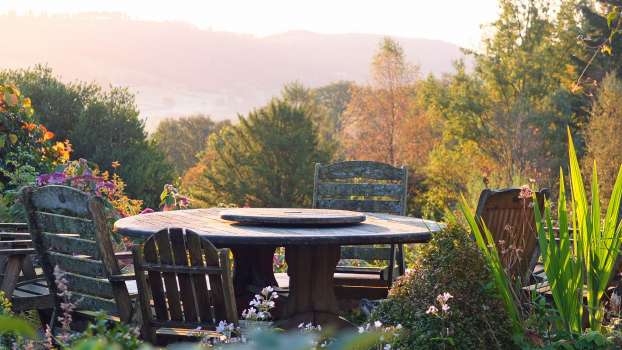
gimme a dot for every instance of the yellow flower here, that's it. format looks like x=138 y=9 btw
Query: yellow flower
x=27 y=103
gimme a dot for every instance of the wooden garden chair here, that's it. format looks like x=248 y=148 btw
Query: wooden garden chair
x=22 y=284
x=185 y=286
x=70 y=230
x=511 y=222
x=364 y=186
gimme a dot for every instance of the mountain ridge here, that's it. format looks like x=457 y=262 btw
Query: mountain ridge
x=176 y=68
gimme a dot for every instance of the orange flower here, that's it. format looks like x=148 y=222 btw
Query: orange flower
x=29 y=126
x=48 y=136
x=116 y=164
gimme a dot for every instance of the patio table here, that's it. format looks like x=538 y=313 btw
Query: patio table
x=311 y=252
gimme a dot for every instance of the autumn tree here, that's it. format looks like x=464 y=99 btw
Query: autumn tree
x=376 y=115
x=266 y=160
x=604 y=144
x=181 y=139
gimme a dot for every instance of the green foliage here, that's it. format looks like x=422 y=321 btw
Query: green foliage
x=594 y=251
x=182 y=139
x=267 y=160
x=106 y=335
x=602 y=134
x=103 y=126
x=450 y=263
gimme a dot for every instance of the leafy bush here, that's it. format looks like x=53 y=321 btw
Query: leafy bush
x=475 y=318
x=26 y=147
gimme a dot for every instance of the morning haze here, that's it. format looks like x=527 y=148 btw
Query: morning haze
x=177 y=69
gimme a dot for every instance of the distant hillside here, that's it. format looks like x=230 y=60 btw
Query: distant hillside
x=176 y=68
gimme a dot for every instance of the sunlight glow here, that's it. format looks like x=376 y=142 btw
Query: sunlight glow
x=455 y=21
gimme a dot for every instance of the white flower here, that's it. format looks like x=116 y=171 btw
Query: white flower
x=387 y=347
x=275 y=295
x=361 y=329
x=445 y=307
x=301 y=325
x=443 y=298
x=399 y=326
x=377 y=324
x=267 y=290
x=432 y=310
x=222 y=325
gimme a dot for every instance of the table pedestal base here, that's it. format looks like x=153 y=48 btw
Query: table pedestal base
x=253 y=271
x=311 y=287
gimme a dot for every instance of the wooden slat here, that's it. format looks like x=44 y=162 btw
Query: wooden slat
x=365 y=253
x=170 y=280
x=21 y=243
x=155 y=280
x=360 y=169
x=14 y=235
x=78 y=264
x=70 y=244
x=15 y=251
x=203 y=297
x=13 y=226
x=64 y=198
x=231 y=312
x=186 y=290
x=65 y=224
x=88 y=285
x=215 y=282
x=192 y=270
x=391 y=207
x=93 y=303
x=340 y=190
x=184 y=332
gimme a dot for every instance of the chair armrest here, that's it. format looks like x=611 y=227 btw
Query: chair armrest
x=123 y=254
x=122 y=277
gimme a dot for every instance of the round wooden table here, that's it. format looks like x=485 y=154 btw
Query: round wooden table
x=311 y=252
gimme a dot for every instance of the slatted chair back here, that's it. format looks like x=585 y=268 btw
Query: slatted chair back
x=70 y=231
x=188 y=281
x=364 y=186
x=511 y=222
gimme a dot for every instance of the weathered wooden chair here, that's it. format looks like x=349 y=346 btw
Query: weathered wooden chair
x=511 y=222
x=23 y=287
x=173 y=269
x=364 y=186
x=70 y=231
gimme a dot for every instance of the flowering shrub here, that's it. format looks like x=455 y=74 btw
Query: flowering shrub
x=78 y=174
x=449 y=274
x=26 y=148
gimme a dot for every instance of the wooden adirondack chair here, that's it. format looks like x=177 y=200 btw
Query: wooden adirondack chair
x=70 y=231
x=364 y=186
x=511 y=222
x=174 y=268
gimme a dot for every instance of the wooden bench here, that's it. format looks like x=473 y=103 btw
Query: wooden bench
x=22 y=283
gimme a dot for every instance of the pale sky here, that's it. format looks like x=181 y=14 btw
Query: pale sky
x=456 y=21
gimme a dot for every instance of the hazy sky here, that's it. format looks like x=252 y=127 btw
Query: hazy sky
x=456 y=21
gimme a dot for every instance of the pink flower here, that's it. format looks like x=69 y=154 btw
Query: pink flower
x=147 y=211
x=525 y=192
x=432 y=310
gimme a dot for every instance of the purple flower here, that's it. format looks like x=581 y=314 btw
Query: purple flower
x=105 y=185
x=51 y=179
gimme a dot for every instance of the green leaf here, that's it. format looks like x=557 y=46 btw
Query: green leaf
x=10 y=324
x=2 y=140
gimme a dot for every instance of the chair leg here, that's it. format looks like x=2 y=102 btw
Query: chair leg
x=391 y=266
x=401 y=265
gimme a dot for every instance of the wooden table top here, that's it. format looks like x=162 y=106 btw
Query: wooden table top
x=377 y=228
x=292 y=216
